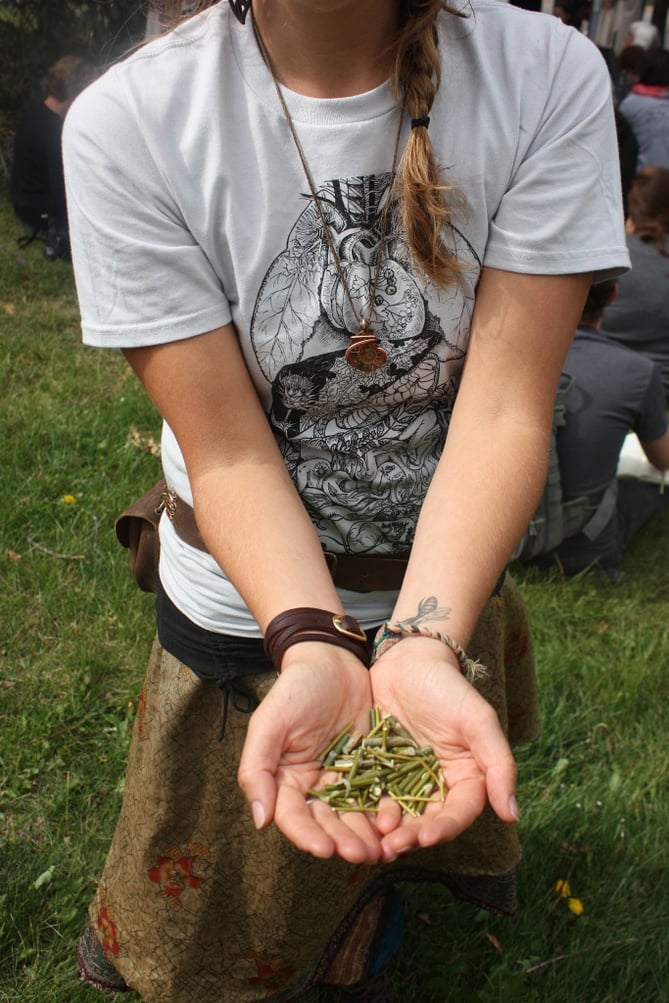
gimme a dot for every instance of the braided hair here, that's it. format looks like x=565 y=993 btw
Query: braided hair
x=422 y=193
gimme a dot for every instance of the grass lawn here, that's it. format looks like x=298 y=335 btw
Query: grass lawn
x=77 y=445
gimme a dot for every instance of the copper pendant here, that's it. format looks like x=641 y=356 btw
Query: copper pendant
x=364 y=353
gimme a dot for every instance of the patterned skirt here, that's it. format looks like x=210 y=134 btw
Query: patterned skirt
x=194 y=904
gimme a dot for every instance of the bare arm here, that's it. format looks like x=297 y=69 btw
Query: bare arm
x=492 y=471
x=484 y=491
x=657 y=451
x=255 y=525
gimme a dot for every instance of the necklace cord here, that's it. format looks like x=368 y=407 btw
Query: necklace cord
x=385 y=219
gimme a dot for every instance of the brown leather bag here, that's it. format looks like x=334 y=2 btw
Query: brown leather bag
x=137 y=530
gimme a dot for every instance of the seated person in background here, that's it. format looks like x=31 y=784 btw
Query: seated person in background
x=646 y=108
x=571 y=12
x=613 y=23
x=639 y=317
x=615 y=391
x=644 y=34
x=627 y=75
x=37 y=185
x=628 y=151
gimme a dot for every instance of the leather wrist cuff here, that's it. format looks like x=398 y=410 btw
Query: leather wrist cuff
x=305 y=623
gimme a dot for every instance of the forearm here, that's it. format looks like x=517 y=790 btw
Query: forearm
x=254 y=523
x=247 y=508
x=490 y=476
x=481 y=498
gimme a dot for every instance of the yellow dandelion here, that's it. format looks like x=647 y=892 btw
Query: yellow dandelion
x=563 y=889
x=576 y=906
x=69 y=499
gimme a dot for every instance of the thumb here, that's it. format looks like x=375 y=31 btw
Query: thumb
x=494 y=756
x=501 y=788
x=256 y=774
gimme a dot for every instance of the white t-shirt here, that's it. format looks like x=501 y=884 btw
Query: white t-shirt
x=189 y=208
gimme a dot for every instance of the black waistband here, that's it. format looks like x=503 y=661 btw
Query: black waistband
x=219 y=658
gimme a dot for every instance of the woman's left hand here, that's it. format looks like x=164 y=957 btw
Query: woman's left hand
x=419 y=682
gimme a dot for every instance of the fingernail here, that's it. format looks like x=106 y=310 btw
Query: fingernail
x=513 y=808
x=258 y=813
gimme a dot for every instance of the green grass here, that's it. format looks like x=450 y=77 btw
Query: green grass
x=75 y=635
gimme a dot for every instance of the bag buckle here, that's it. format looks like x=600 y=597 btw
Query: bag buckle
x=168 y=504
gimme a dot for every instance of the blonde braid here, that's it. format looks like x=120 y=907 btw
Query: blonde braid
x=421 y=190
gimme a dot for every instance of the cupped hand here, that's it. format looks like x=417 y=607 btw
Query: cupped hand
x=321 y=691
x=419 y=682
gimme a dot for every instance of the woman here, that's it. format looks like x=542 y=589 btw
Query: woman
x=297 y=286
x=639 y=315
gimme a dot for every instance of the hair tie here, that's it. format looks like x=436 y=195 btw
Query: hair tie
x=417 y=122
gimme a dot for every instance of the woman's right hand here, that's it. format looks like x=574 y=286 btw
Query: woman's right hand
x=321 y=691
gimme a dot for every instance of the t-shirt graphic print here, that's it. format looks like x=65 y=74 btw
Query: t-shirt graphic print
x=361 y=446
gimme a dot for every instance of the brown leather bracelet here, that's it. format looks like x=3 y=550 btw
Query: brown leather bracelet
x=304 y=623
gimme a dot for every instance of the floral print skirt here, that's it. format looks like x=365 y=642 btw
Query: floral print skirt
x=194 y=904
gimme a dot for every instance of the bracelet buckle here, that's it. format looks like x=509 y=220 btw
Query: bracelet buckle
x=339 y=625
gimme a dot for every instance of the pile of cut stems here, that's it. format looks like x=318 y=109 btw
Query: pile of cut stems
x=386 y=762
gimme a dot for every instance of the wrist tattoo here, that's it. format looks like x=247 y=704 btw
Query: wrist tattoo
x=428 y=609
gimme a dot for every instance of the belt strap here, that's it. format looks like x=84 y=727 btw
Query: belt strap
x=357 y=572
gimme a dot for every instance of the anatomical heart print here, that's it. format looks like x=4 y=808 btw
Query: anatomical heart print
x=360 y=446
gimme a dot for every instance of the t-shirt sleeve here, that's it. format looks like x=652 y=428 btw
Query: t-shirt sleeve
x=141 y=277
x=562 y=211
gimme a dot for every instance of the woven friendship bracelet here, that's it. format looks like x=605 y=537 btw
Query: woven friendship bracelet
x=392 y=632
x=305 y=623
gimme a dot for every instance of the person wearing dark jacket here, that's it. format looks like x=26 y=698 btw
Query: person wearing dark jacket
x=37 y=184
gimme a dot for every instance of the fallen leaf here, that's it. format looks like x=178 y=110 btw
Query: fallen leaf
x=8 y=308
x=13 y=556
x=143 y=441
